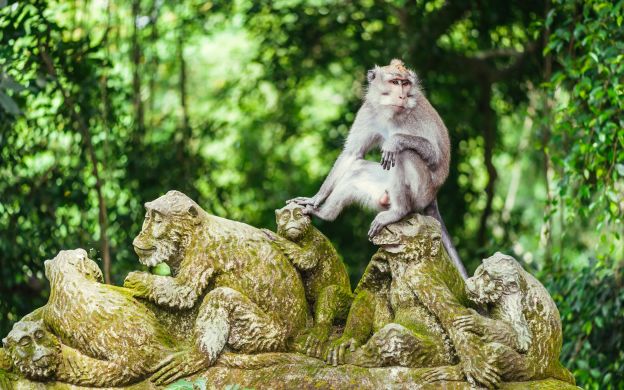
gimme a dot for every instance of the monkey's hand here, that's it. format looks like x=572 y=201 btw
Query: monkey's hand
x=470 y=323
x=136 y=281
x=389 y=152
x=337 y=350
x=315 y=201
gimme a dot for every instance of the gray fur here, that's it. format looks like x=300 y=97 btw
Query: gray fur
x=415 y=146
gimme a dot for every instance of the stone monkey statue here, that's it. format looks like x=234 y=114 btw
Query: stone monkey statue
x=324 y=275
x=524 y=331
x=251 y=298
x=415 y=149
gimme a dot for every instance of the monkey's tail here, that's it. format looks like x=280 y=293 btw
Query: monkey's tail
x=433 y=211
x=262 y=360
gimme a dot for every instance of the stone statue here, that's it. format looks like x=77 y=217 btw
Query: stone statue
x=524 y=330
x=251 y=297
x=324 y=275
x=108 y=337
x=410 y=288
x=232 y=306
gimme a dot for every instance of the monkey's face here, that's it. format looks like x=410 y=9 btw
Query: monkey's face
x=498 y=275
x=392 y=88
x=417 y=237
x=74 y=261
x=292 y=223
x=162 y=238
x=33 y=349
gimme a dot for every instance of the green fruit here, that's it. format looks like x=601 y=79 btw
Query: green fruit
x=161 y=269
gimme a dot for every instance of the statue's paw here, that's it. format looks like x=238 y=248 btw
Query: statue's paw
x=483 y=374
x=444 y=373
x=178 y=365
x=469 y=323
x=312 y=343
x=337 y=350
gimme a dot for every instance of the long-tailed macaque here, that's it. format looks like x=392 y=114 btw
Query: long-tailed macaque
x=415 y=158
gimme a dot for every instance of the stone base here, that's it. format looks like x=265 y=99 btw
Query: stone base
x=307 y=373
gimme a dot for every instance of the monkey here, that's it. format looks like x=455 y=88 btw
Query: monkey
x=415 y=157
x=325 y=277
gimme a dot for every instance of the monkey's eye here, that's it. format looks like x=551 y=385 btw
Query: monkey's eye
x=39 y=334
x=406 y=82
x=24 y=341
x=395 y=82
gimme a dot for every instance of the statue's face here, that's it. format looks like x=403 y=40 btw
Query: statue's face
x=292 y=223
x=159 y=240
x=33 y=349
x=414 y=235
x=482 y=287
x=72 y=261
x=498 y=275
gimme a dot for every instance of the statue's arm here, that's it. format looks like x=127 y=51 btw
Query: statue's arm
x=178 y=292
x=82 y=370
x=492 y=330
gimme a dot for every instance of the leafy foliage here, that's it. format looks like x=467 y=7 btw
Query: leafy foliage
x=107 y=104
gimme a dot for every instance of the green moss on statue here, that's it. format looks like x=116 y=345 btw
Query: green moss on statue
x=324 y=275
x=251 y=297
x=402 y=301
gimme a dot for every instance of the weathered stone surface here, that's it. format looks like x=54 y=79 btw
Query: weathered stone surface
x=318 y=377
x=322 y=270
x=235 y=303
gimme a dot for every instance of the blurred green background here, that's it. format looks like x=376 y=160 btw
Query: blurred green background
x=105 y=105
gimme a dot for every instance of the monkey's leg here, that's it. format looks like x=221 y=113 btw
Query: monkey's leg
x=396 y=345
x=333 y=302
x=365 y=184
x=225 y=317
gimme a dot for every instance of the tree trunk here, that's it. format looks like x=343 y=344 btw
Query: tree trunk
x=489 y=135
x=136 y=75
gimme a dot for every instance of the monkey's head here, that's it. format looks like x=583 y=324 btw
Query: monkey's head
x=34 y=351
x=498 y=275
x=416 y=237
x=167 y=229
x=392 y=88
x=74 y=262
x=292 y=223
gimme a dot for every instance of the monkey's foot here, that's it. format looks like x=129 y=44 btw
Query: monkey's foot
x=179 y=365
x=375 y=228
x=444 y=373
x=312 y=342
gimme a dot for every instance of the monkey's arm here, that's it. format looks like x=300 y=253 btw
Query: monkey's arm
x=79 y=369
x=399 y=142
x=492 y=330
x=180 y=292
x=304 y=259
x=433 y=292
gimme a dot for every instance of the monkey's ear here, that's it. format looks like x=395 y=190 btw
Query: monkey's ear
x=5 y=342
x=370 y=76
x=194 y=213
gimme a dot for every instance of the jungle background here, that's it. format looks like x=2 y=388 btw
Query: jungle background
x=105 y=105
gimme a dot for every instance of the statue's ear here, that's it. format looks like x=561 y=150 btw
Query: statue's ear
x=194 y=213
